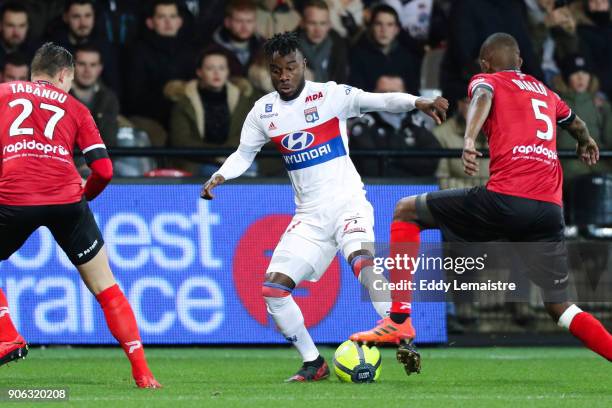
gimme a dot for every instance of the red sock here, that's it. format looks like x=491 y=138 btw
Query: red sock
x=592 y=334
x=7 y=329
x=122 y=324
x=405 y=240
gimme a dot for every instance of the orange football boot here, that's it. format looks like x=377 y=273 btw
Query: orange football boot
x=385 y=332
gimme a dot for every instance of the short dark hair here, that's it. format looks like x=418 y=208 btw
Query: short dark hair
x=320 y=4
x=283 y=43
x=211 y=51
x=50 y=59
x=156 y=3
x=239 y=5
x=71 y=3
x=13 y=7
x=497 y=41
x=384 y=8
x=17 y=59
x=88 y=47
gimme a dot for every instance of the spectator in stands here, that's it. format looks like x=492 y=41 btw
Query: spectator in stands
x=201 y=18
x=120 y=20
x=276 y=16
x=595 y=37
x=79 y=29
x=579 y=88
x=41 y=14
x=450 y=135
x=553 y=32
x=210 y=114
x=89 y=89
x=325 y=51
x=16 y=68
x=423 y=23
x=14 y=31
x=379 y=53
x=237 y=36
x=393 y=131
x=471 y=22
x=158 y=62
x=346 y=17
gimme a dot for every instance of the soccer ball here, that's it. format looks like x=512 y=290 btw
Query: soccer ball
x=355 y=363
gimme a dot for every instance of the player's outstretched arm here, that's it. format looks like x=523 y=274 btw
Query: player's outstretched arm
x=477 y=114
x=236 y=164
x=252 y=139
x=397 y=102
x=586 y=149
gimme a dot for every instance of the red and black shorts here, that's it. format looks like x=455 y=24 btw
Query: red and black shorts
x=536 y=228
x=73 y=226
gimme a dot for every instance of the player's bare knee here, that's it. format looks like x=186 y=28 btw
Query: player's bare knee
x=96 y=273
x=359 y=252
x=277 y=285
x=405 y=210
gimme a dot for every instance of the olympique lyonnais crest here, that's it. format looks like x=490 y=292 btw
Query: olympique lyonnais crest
x=311 y=115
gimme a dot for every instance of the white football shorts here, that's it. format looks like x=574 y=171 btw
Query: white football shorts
x=313 y=238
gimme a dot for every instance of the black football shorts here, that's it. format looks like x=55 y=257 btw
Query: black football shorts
x=479 y=215
x=73 y=226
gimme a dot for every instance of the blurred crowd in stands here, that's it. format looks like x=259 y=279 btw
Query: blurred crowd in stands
x=185 y=73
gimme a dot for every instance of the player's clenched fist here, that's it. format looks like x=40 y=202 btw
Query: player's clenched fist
x=213 y=182
x=436 y=108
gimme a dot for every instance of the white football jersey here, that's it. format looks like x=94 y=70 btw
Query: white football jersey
x=310 y=133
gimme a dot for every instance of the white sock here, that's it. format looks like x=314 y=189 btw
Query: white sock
x=290 y=321
x=566 y=318
x=381 y=299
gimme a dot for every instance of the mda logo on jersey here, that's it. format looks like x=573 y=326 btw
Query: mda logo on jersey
x=298 y=141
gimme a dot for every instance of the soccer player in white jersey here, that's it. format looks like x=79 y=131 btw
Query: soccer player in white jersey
x=307 y=123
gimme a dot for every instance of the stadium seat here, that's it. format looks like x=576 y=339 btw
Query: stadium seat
x=132 y=166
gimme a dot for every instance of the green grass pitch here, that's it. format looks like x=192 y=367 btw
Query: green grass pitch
x=242 y=377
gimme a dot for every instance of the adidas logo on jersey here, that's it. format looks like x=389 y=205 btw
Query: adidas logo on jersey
x=272 y=126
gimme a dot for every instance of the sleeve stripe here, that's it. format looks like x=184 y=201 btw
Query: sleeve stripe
x=484 y=84
x=95 y=154
x=569 y=115
x=94 y=146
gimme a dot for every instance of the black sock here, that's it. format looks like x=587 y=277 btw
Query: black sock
x=314 y=363
x=399 y=318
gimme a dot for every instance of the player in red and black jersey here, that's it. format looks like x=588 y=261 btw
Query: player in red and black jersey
x=522 y=200
x=40 y=123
